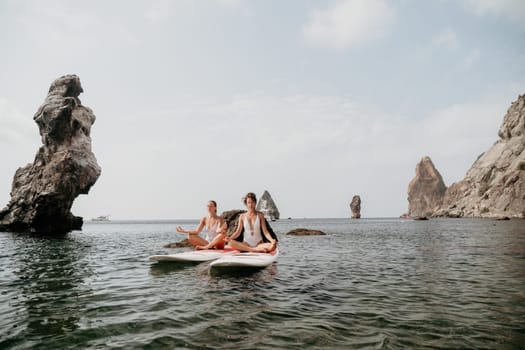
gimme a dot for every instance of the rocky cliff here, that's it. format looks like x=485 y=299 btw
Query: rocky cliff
x=355 y=207
x=495 y=184
x=64 y=167
x=267 y=206
x=426 y=190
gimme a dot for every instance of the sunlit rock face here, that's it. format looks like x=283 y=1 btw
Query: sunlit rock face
x=426 y=190
x=495 y=184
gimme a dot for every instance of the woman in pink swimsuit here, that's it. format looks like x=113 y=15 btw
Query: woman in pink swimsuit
x=254 y=226
x=215 y=230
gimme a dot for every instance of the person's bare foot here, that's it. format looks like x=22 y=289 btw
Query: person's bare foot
x=201 y=247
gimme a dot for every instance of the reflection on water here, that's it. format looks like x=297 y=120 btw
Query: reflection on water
x=366 y=284
x=248 y=274
x=163 y=268
x=48 y=286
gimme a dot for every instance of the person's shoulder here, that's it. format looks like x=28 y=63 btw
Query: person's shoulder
x=203 y=220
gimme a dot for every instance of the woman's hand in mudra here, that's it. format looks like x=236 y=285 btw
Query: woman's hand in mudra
x=180 y=229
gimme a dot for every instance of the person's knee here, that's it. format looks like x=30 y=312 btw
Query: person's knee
x=193 y=239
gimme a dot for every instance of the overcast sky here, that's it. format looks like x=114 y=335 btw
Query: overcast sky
x=314 y=101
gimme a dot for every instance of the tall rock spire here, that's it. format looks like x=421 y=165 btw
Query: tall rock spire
x=64 y=167
x=355 y=207
x=426 y=190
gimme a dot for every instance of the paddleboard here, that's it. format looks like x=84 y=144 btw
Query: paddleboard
x=254 y=260
x=194 y=255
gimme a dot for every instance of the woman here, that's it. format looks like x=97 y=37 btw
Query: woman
x=215 y=230
x=254 y=224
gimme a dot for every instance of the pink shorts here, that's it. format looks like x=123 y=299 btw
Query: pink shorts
x=219 y=245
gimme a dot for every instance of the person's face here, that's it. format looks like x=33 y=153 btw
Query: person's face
x=212 y=209
x=250 y=203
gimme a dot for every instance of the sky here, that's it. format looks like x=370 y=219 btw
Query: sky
x=314 y=101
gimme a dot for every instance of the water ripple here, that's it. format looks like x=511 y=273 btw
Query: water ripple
x=368 y=284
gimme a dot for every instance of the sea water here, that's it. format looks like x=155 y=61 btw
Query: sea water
x=366 y=284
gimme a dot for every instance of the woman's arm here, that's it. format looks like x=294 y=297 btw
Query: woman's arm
x=196 y=231
x=265 y=229
x=239 y=228
x=222 y=225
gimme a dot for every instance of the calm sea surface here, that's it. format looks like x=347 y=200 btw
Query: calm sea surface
x=367 y=284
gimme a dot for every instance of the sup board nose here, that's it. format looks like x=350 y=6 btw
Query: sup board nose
x=194 y=256
x=252 y=260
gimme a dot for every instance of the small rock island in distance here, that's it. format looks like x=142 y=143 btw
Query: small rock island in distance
x=355 y=207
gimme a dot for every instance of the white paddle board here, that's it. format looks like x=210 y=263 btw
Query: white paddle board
x=246 y=260
x=194 y=255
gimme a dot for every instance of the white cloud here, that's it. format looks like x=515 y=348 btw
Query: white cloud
x=63 y=27
x=513 y=10
x=471 y=58
x=447 y=39
x=349 y=23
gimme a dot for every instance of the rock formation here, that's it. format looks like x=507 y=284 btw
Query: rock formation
x=232 y=219
x=426 y=190
x=495 y=184
x=305 y=232
x=64 y=167
x=493 y=187
x=182 y=244
x=355 y=207
x=267 y=206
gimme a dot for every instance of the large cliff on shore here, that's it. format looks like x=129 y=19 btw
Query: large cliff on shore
x=494 y=186
x=64 y=167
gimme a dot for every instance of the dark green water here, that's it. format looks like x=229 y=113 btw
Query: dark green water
x=368 y=284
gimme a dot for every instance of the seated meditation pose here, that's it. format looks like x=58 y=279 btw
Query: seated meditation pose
x=255 y=227
x=215 y=230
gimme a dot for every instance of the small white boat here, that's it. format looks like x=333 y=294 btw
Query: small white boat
x=101 y=218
